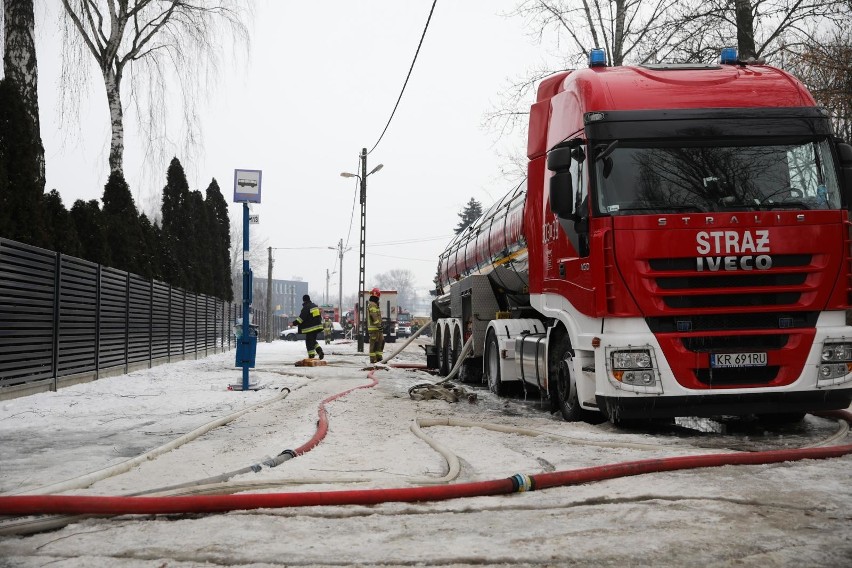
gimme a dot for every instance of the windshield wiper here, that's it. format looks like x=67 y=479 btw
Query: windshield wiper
x=663 y=208
x=783 y=205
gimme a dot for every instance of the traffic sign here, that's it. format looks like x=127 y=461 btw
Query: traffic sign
x=247 y=186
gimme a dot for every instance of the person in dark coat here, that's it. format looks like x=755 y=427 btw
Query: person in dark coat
x=309 y=322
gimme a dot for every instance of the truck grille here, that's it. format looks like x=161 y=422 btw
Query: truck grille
x=678 y=285
x=734 y=343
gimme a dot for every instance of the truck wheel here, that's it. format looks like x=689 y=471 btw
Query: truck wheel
x=492 y=364
x=563 y=391
x=445 y=355
x=454 y=349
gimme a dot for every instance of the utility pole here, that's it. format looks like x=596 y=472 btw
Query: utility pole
x=362 y=312
x=340 y=251
x=327 y=279
x=362 y=333
x=269 y=300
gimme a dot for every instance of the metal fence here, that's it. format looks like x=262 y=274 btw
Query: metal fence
x=65 y=320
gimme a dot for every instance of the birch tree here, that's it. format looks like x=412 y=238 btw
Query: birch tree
x=20 y=68
x=151 y=41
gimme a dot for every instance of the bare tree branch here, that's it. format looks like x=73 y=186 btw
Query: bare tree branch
x=167 y=43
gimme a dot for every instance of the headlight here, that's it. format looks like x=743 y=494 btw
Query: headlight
x=633 y=367
x=836 y=362
x=836 y=352
x=631 y=360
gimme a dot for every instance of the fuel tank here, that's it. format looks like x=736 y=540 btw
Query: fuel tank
x=493 y=245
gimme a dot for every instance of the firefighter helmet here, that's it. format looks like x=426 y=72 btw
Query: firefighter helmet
x=375 y=292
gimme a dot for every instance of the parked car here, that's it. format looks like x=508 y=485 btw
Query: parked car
x=404 y=330
x=292 y=334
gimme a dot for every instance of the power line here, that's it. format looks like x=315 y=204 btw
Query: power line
x=410 y=241
x=410 y=69
x=404 y=257
x=354 y=200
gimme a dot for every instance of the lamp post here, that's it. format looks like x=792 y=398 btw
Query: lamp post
x=363 y=179
x=328 y=276
x=340 y=251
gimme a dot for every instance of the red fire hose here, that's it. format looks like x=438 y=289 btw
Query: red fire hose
x=92 y=505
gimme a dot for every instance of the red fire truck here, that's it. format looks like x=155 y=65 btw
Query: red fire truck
x=680 y=247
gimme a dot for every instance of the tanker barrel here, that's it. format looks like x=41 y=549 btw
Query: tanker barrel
x=496 y=239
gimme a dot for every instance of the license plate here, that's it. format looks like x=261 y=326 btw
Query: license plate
x=721 y=360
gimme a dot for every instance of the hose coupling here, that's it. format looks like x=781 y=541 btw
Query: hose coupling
x=522 y=482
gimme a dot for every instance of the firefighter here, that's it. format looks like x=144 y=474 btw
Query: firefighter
x=309 y=322
x=327 y=329
x=374 y=326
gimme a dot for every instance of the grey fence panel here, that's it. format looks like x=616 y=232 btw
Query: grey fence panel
x=190 y=307
x=215 y=324
x=113 y=321
x=177 y=318
x=27 y=299
x=160 y=321
x=138 y=319
x=78 y=316
x=63 y=316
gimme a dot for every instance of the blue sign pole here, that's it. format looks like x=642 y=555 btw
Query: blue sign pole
x=247 y=185
x=247 y=294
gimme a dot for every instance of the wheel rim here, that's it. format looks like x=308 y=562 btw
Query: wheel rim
x=493 y=367
x=565 y=384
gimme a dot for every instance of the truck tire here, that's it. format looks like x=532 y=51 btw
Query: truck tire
x=444 y=354
x=563 y=391
x=455 y=349
x=492 y=364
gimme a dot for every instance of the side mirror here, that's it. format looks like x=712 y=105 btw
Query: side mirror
x=562 y=195
x=559 y=159
x=844 y=152
x=561 y=190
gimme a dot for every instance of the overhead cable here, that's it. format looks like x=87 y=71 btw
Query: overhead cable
x=426 y=27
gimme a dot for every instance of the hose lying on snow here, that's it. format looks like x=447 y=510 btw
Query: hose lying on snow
x=321 y=431
x=75 y=504
x=86 y=480
x=211 y=485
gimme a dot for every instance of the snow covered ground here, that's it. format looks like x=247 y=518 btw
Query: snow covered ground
x=788 y=514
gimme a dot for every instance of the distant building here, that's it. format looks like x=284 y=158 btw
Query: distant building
x=286 y=295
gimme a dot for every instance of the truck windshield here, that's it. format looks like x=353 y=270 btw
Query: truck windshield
x=643 y=177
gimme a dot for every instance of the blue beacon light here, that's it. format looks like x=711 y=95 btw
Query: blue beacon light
x=597 y=58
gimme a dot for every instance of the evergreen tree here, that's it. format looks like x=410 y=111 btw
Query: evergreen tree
x=199 y=247
x=20 y=193
x=148 y=259
x=176 y=227
x=121 y=223
x=88 y=221
x=60 y=232
x=471 y=212
x=220 y=239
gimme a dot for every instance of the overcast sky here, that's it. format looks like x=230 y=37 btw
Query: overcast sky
x=320 y=84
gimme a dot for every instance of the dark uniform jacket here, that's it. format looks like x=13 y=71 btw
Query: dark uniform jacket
x=309 y=320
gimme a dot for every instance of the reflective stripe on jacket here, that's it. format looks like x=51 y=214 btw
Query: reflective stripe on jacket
x=374 y=317
x=309 y=320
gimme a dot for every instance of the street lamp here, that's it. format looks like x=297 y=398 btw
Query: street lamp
x=361 y=275
x=328 y=276
x=340 y=250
